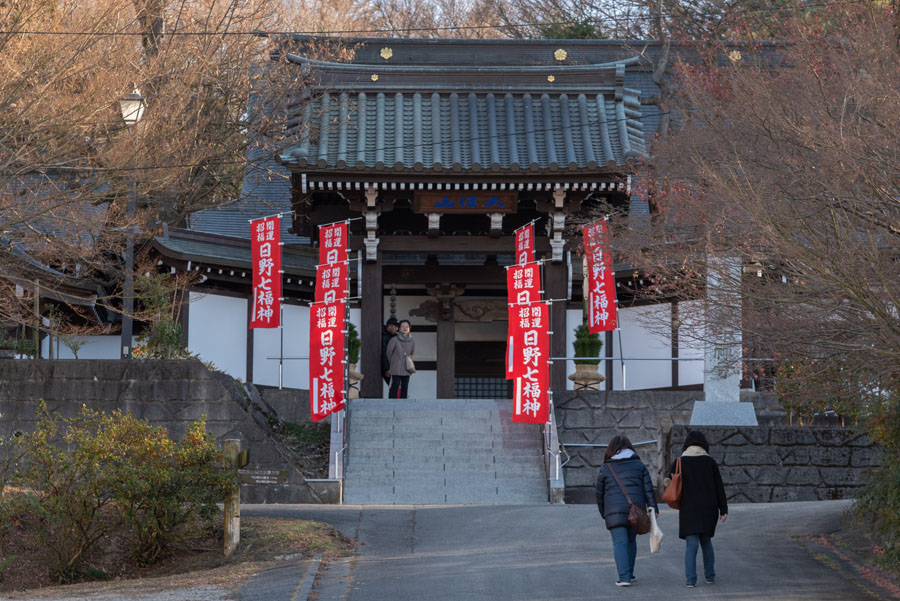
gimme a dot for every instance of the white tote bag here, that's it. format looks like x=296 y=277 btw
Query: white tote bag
x=655 y=533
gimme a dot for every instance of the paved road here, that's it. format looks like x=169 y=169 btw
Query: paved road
x=564 y=553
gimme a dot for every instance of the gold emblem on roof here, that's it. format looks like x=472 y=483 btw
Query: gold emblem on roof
x=551 y=78
x=374 y=76
x=734 y=56
x=560 y=55
x=386 y=53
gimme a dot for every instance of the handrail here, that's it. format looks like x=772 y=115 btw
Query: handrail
x=555 y=481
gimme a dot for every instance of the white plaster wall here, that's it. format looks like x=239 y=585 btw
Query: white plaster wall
x=642 y=338
x=217 y=331
x=267 y=345
x=690 y=372
x=93 y=347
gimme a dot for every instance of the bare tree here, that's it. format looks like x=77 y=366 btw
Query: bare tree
x=785 y=160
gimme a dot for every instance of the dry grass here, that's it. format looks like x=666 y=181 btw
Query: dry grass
x=199 y=562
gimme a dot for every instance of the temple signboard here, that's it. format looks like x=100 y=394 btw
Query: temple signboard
x=465 y=201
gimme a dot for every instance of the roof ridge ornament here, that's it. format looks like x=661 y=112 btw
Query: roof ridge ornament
x=560 y=54
x=386 y=53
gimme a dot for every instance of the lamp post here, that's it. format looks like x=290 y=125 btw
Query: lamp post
x=132 y=107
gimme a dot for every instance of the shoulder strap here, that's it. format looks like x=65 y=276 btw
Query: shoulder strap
x=619 y=482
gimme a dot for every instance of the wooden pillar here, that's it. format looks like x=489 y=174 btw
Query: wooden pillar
x=446 y=349
x=555 y=287
x=372 y=312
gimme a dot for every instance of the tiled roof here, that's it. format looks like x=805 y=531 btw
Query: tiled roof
x=426 y=118
x=232 y=252
x=266 y=191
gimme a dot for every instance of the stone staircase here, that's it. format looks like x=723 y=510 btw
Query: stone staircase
x=447 y=451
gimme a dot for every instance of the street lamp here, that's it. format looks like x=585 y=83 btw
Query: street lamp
x=132 y=107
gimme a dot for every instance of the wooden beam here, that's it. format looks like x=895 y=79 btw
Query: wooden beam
x=446 y=355
x=449 y=244
x=372 y=297
x=555 y=287
x=456 y=274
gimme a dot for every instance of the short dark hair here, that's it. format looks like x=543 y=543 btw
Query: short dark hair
x=618 y=443
x=392 y=321
x=696 y=438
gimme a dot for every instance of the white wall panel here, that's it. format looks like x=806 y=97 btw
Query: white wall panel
x=267 y=347
x=689 y=345
x=217 y=331
x=93 y=347
x=641 y=338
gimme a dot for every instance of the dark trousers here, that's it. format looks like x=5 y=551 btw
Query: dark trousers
x=399 y=386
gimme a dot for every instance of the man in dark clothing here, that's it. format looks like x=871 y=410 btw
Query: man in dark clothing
x=390 y=330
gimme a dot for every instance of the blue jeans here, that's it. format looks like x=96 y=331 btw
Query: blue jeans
x=624 y=551
x=692 y=541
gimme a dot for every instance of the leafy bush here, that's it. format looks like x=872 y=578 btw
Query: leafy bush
x=166 y=491
x=353 y=344
x=113 y=471
x=68 y=487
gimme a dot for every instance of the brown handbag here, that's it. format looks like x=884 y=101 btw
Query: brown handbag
x=638 y=518
x=672 y=494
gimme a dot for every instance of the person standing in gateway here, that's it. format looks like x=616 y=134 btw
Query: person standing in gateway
x=399 y=347
x=387 y=334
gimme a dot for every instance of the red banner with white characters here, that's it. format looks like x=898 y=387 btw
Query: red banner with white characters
x=331 y=283
x=525 y=244
x=333 y=243
x=600 y=281
x=326 y=359
x=532 y=368
x=523 y=286
x=265 y=246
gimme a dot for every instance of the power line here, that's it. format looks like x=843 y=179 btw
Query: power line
x=338 y=32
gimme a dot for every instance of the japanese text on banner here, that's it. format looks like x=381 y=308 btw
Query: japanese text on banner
x=523 y=286
x=333 y=243
x=331 y=283
x=532 y=370
x=525 y=244
x=326 y=359
x=265 y=246
x=600 y=280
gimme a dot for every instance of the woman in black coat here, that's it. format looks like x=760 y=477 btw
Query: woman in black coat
x=632 y=473
x=702 y=502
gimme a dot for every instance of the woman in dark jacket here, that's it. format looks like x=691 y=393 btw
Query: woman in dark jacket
x=632 y=473
x=702 y=502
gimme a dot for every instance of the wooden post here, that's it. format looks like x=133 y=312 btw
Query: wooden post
x=232 y=501
x=372 y=294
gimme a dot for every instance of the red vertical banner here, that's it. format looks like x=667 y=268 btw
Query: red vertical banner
x=331 y=283
x=525 y=244
x=532 y=369
x=326 y=359
x=600 y=282
x=265 y=247
x=333 y=243
x=523 y=286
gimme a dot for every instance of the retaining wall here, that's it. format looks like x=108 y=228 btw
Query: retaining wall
x=782 y=463
x=171 y=394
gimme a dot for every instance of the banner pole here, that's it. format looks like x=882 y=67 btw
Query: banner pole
x=281 y=348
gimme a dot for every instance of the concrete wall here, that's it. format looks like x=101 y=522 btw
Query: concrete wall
x=782 y=463
x=595 y=417
x=171 y=394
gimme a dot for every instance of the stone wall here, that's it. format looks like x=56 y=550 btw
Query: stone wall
x=165 y=393
x=782 y=463
x=594 y=417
